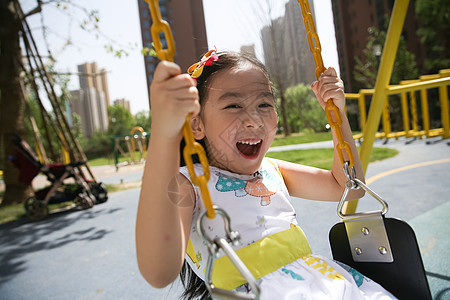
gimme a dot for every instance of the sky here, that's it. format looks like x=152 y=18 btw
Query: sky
x=229 y=24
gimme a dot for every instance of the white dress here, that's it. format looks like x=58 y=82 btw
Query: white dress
x=272 y=245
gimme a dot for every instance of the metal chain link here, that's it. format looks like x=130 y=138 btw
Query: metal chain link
x=192 y=147
x=161 y=26
x=315 y=47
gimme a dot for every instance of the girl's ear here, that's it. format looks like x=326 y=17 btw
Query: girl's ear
x=197 y=127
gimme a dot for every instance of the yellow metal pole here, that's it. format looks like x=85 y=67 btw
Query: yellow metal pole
x=362 y=110
x=415 y=127
x=405 y=113
x=383 y=78
x=443 y=97
x=425 y=113
x=362 y=106
x=386 y=119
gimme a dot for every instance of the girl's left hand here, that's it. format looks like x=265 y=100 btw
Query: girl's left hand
x=329 y=86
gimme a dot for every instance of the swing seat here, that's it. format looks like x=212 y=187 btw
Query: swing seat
x=404 y=277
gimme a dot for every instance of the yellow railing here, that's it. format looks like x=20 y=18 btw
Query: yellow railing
x=379 y=104
x=408 y=90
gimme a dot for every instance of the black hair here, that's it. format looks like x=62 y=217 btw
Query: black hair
x=226 y=61
x=194 y=287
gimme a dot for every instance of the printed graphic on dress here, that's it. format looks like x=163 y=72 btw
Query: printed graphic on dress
x=293 y=274
x=263 y=187
x=357 y=276
x=261 y=221
x=322 y=267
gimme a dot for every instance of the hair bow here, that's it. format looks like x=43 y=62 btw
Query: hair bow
x=207 y=60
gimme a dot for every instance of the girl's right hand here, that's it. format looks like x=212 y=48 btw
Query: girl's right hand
x=329 y=86
x=172 y=97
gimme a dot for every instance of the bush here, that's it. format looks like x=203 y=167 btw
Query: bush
x=99 y=145
x=303 y=109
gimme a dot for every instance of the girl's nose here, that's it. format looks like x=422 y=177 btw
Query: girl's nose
x=252 y=119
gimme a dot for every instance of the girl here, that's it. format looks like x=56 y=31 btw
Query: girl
x=234 y=115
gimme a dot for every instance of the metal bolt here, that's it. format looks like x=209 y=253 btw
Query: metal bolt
x=365 y=231
x=358 y=251
x=382 y=250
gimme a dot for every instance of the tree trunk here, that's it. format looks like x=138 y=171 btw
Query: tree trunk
x=276 y=75
x=286 y=129
x=12 y=102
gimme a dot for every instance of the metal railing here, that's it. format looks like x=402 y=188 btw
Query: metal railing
x=408 y=91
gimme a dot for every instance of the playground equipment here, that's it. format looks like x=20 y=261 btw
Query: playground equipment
x=136 y=139
x=408 y=91
x=383 y=249
x=56 y=128
x=367 y=240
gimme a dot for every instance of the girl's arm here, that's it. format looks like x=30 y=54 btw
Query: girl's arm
x=167 y=198
x=312 y=183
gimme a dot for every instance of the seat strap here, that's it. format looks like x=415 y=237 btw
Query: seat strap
x=262 y=257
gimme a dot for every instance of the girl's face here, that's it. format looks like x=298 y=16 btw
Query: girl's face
x=238 y=119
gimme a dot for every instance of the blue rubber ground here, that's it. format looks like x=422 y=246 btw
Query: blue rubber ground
x=91 y=254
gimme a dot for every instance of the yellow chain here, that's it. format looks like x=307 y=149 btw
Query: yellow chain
x=192 y=147
x=314 y=46
x=161 y=26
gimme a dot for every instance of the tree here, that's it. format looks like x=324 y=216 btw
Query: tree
x=12 y=86
x=98 y=145
x=405 y=68
x=303 y=109
x=276 y=75
x=120 y=120
x=366 y=69
x=12 y=102
x=76 y=127
x=434 y=30
x=143 y=119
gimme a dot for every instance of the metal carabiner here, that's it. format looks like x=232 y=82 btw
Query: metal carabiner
x=354 y=183
x=214 y=246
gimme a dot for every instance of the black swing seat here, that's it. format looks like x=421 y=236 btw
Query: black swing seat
x=404 y=277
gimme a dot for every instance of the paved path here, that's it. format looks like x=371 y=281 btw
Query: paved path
x=91 y=255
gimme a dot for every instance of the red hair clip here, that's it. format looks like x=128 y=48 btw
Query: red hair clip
x=207 y=60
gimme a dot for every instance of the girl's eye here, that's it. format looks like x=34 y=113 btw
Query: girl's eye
x=232 y=106
x=265 y=105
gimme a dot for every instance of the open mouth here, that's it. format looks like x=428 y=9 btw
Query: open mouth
x=249 y=149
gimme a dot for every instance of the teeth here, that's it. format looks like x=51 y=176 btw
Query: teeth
x=250 y=143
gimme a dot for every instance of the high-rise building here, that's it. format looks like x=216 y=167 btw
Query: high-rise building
x=89 y=104
x=90 y=101
x=124 y=102
x=249 y=50
x=91 y=76
x=187 y=22
x=286 y=50
x=352 y=20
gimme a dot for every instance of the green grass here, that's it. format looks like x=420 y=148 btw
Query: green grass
x=301 y=138
x=17 y=211
x=11 y=212
x=102 y=161
x=295 y=138
x=323 y=158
